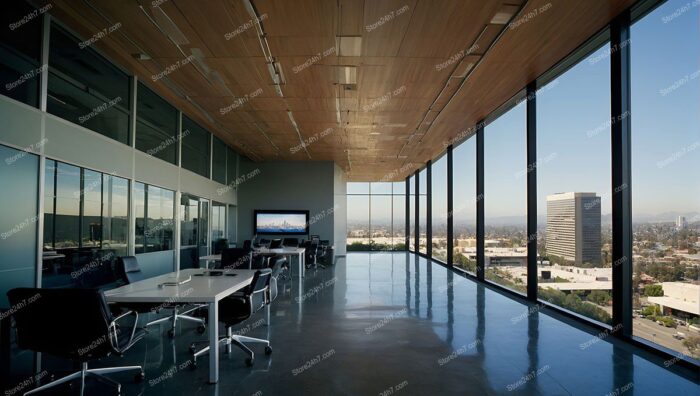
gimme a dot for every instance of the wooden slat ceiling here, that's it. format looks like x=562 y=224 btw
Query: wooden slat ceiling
x=426 y=70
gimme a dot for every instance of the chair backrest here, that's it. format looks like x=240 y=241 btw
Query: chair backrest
x=258 y=288
x=264 y=242
x=235 y=258
x=275 y=244
x=290 y=242
x=69 y=323
x=312 y=249
x=220 y=245
x=128 y=269
x=247 y=244
x=277 y=263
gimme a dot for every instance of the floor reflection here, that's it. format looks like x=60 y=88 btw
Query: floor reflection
x=384 y=319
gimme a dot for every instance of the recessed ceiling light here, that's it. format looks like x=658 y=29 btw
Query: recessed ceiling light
x=347 y=74
x=504 y=14
x=348 y=45
x=375 y=133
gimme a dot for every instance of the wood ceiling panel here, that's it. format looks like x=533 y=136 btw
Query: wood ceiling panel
x=411 y=95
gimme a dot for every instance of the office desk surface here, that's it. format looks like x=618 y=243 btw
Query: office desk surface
x=201 y=289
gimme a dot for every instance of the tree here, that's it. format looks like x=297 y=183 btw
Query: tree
x=599 y=297
x=653 y=291
x=693 y=345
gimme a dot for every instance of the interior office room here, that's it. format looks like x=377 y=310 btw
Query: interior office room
x=351 y=197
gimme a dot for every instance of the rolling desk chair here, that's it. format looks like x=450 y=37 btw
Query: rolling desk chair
x=220 y=245
x=236 y=258
x=236 y=309
x=247 y=244
x=75 y=324
x=130 y=272
x=275 y=244
x=313 y=250
x=290 y=242
x=264 y=243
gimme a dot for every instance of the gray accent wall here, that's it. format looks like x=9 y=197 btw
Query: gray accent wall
x=291 y=185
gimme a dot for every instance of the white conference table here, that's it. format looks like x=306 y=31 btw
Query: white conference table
x=199 y=290
x=285 y=251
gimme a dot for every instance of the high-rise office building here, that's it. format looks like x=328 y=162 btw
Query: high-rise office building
x=573 y=227
x=681 y=223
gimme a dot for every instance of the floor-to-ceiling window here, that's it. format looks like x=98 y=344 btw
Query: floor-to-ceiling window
x=665 y=49
x=439 y=209
x=464 y=205
x=85 y=225
x=422 y=211
x=398 y=220
x=505 y=242
x=376 y=216
x=574 y=197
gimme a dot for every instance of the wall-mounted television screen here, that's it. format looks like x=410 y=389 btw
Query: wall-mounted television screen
x=281 y=222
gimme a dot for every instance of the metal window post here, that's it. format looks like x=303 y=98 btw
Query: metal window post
x=620 y=130
x=429 y=209
x=531 y=173
x=480 y=200
x=416 y=210
x=407 y=210
x=450 y=207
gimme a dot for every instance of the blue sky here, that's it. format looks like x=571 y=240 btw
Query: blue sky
x=573 y=121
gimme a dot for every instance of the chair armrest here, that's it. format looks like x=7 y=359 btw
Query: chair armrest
x=115 y=334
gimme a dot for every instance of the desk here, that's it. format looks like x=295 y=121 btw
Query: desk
x=200 y=290
x=285 y=251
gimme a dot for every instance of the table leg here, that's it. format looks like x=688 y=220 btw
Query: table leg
x=302 y=263
x=213 y=342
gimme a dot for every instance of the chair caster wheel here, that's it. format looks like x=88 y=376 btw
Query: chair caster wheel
x=249 y=362
x=139 y=377
x=201 y=329
x=268 y=350
x=171 y=333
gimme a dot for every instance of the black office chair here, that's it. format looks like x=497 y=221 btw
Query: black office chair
x=129 y=271
x=290 y=242
x=276 y=244
x=236 y=309
x=313 y=251
x=265 y=243
x=278 y=264
x=247 y=244
x=220 y=245
x=75 y=324
x=235 y=258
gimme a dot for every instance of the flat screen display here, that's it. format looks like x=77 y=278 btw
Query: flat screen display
x=281 y=222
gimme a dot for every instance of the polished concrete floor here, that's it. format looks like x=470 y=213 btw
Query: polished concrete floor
x=392 y=323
